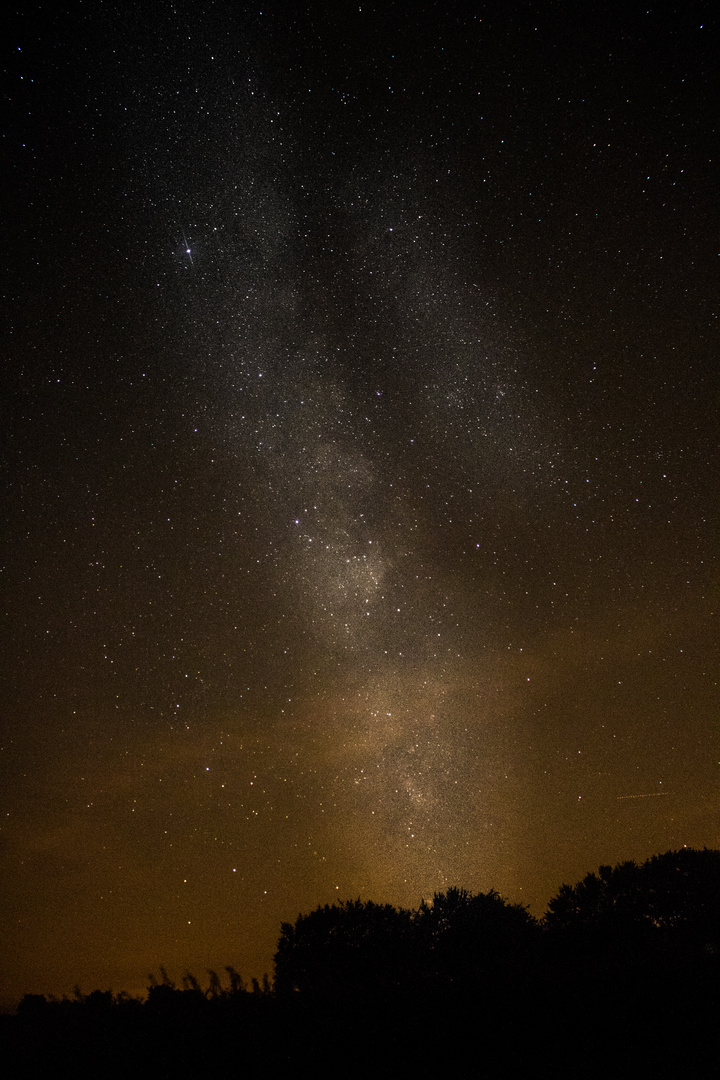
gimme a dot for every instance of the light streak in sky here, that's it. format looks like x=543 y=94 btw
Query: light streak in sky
x=648 y=795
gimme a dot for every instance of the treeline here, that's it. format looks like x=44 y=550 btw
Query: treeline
x=620 y=978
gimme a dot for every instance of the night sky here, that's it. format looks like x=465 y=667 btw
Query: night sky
x=360 y=464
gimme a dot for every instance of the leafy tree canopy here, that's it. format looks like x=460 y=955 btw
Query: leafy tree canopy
x=677 y=893
x=355 y=945
x=341 y=945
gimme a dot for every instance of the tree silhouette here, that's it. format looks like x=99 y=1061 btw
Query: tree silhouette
x=633 y=950
x=345 y=946
x=466 y=938
x=670 y=897
x=455 y=939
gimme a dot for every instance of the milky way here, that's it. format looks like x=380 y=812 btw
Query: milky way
x=360 y=467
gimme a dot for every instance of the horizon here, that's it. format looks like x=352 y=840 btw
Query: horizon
x=259 y=977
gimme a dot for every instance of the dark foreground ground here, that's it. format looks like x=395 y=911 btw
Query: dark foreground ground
x=647 y=1025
